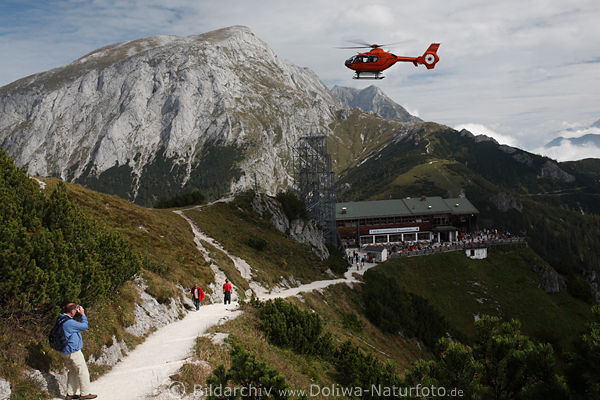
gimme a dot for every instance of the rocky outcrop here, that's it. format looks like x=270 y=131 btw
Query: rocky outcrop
x=150 y=314
x=506 y=201
x=52 y=382
x=591 y=277
x=4 y=389
x=485 y=138
x=550 y=280
x=466 y=133
x=302 y=231
x=523 y=158
x=551 y=170
x=110 y=355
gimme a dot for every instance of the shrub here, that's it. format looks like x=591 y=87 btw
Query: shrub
x=359 y=370
x=187 y=199
x=502 y=364
x=246 y=372
x=351 y=322
x=336 y=260
x=256 y=243
x=50 y=252
x=293 y=207
x=288 y=326
x=393 y=309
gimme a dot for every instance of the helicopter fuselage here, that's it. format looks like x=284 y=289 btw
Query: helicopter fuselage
x=377 y=60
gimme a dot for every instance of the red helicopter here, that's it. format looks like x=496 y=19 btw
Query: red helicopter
x=370 y=65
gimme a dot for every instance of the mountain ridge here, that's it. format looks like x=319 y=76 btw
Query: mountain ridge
x=166 y=104
x=373 y=99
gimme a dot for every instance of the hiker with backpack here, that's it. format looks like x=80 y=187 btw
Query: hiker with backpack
x=66 y=338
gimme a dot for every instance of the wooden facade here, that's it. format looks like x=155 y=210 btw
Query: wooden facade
x=404 y=220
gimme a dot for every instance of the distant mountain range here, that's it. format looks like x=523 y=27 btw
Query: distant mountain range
x=585 y=140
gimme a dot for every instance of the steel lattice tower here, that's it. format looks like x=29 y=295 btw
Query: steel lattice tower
x=314 y=182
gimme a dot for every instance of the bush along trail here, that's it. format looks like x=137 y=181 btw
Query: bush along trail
x=150 y=364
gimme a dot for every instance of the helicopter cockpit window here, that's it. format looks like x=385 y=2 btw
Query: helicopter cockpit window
x=351 y=60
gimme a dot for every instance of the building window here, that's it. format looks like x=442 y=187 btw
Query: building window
x=381 y=239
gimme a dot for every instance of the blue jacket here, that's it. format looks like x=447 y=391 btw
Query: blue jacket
x=73 y=330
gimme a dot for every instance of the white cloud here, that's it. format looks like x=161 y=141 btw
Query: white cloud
x=411 y=111
x=566 y=151
x=479 y=129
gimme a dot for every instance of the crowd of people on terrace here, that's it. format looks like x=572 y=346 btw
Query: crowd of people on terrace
x=464 y=240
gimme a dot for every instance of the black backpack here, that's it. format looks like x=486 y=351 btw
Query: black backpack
x=58 y=340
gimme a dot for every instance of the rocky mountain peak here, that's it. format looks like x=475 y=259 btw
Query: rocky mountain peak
x=373 y=99
x=151 y=117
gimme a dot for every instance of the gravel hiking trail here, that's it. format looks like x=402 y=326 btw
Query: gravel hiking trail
x=149 y=365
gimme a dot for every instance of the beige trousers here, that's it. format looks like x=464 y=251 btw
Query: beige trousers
x=78 y=377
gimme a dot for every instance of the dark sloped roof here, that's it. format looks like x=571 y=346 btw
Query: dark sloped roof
x=427 y=205
x=461 y=206
x=404 y=207
x=368 y=209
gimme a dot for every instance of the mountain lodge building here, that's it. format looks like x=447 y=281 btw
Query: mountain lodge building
x=404 y=220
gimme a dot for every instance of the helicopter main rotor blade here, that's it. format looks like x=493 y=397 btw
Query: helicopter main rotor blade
x=359 y=41
x=355 y=47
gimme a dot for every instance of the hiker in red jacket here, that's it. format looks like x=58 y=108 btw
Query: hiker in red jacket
x=227 y=291
x=197 y=296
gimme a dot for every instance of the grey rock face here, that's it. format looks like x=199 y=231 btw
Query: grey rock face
x=5 y=391
x=523 y=158
x=505 y=202
x=551 y=170
x=110 y=355
x=485 y=138
x=159 y=114
x=301 y=231
x=149 y=314
x=372 y=99
x=466 y=133
x=592 y=279
x=551 y=281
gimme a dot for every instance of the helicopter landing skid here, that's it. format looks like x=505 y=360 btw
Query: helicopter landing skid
x=368 y=76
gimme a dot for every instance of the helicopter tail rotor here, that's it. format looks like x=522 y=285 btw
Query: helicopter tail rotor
x=430 y=57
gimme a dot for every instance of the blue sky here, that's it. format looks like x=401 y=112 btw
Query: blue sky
x=522 y=71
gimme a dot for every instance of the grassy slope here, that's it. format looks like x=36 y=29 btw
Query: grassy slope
x=503 y=284
x=357 y=135
x=162 y=237
x=232 y=224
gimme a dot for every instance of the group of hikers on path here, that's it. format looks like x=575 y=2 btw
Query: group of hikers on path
x=198 y=294
x=65 y=337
